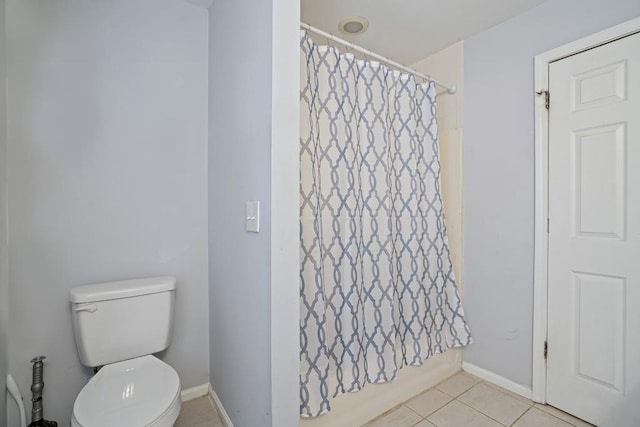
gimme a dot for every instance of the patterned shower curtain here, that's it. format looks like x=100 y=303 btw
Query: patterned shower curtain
x=376 y=283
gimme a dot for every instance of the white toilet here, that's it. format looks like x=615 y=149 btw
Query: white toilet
x=119 y=325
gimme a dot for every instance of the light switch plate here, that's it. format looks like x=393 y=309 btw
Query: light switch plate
x=253 y=216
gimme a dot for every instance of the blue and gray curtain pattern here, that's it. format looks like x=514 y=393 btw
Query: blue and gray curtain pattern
x=377 y=289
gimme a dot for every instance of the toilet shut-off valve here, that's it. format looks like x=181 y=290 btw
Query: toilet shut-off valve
x=37 y=386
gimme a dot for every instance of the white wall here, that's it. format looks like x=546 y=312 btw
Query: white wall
x=107 y=172
x=4 y=280
x=285 y=230
x=499 y=173
x=239 y=170
x=253 y=155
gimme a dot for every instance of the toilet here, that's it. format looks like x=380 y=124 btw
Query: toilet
x=118 y=326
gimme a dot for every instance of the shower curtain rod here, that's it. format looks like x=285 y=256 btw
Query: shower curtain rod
x=450 y=89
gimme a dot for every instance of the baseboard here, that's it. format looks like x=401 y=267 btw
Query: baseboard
x=188 y=394
x=498 y=380
x=215 y=401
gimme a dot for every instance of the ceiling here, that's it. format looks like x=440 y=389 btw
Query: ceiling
x=410 y=30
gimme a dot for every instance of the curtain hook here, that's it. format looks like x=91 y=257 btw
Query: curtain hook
x=329 y=42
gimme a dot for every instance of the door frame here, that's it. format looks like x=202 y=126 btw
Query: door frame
x=541 y=237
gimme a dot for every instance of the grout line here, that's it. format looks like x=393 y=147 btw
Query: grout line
x=508 y=393
x=465 y=390
x=479 y=412
x=435 y=387
x=500 y=390
x=415 y=412
x=459 y=394
x=558 y=418
x=384 y=414
x=522 y=415
x=494 y=387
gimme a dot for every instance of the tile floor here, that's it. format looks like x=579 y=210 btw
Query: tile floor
x=198 y=413
x=466 y=401
x=460 y=401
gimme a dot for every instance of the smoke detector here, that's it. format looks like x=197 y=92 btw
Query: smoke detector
x=353 y=25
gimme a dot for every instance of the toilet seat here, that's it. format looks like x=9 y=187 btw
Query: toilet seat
x=138 y=392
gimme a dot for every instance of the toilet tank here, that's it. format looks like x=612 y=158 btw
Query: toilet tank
x=121 y=320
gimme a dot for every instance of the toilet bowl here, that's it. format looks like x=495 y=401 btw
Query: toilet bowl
x=139 y=392
x=118 y=326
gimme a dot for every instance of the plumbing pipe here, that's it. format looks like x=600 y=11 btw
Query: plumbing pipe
x=36 y=390
x=37 y=419
x=14 y=391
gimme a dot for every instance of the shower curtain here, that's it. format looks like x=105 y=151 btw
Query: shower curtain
x=377 y=288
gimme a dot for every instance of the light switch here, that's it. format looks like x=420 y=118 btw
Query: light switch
x=253 y=216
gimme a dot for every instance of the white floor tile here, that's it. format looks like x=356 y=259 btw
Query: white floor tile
x=198 y=413
x=537 y=418
x=401 y=417
x=457 y=414
x=510 y=393
x=494 y=403
x=563 y=416
x=428 y=402
x=466 y=401
x=458 y=384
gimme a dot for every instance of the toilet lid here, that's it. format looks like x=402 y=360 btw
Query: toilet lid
x=139 y=391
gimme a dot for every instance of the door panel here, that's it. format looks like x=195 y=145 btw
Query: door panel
x=600 y=328
x=600 y=197
x=594 y=234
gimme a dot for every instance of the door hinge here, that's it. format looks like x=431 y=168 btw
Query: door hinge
x=547 y=225
x=546 y=350
x=546 y=97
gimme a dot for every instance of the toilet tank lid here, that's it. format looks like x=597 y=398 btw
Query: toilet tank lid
x=121 y=289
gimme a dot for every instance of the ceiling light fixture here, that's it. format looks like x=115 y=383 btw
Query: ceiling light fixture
x=353 y=25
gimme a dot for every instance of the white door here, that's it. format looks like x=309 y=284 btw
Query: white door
x=593 y=365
